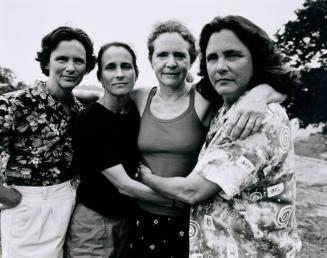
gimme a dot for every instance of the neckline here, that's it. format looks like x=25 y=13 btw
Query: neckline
x=174 y=119
x=109 y=111
x=72 y=104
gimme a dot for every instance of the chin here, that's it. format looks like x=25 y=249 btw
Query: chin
x=122 y=93
x=70 y=84
x=173 y=84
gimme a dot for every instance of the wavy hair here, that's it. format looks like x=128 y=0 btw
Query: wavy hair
x=172 y=26
x=64 y=33
x=267 y=62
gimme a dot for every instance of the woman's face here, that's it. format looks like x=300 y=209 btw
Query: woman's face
x=171 y=59
x=67 y=65
x=117 y=74
x=229 y=65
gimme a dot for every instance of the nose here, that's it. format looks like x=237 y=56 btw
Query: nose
x=70 y=67
x=171 y=62
x=221 y=65
x=119 y=73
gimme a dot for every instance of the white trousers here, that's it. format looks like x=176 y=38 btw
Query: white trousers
x=36 y=228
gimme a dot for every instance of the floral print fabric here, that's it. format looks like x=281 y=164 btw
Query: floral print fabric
x=253 y=215
x=35 y=137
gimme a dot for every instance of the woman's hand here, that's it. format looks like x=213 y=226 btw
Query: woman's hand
x=9 y=197
x=142 y=172
x=248 y=113
x=245 y=117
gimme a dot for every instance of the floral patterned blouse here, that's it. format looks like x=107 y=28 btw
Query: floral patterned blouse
x=253 y=215
x=35 y=137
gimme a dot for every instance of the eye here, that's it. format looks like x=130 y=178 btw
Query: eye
x=233 y=55
x=179 y=55
x=79 y=61
x=211 y=57
x=126 y=66
x=162 y=54
x=61 y=59
x=110 y=66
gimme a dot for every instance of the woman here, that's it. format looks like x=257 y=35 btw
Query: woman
x=36 y=151
x=242 y=191
x=106 y=157
x=173 y=127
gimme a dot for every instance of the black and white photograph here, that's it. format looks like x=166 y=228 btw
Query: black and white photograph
x=163 y=129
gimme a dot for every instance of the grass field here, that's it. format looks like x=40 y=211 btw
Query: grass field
x=311 y=195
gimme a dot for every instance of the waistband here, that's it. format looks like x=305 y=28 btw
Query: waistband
x=177 y=209
x=47 y=192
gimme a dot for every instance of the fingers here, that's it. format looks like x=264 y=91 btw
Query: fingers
x=258 y=124
x=142 y=172
x=231 y=123
x=143 y=169
x=239 y=128
x=248 y=128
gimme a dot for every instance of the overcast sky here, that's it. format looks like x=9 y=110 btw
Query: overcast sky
x=24 y=22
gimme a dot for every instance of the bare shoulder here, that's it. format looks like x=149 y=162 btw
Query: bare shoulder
x=140 y=95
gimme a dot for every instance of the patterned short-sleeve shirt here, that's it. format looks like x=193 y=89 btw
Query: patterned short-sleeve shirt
x=35 y=137
x=254 y=213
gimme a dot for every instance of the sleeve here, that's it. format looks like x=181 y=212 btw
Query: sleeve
x=235 y=165
x=6 y=132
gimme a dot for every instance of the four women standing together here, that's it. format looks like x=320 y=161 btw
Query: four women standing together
x=173 y=126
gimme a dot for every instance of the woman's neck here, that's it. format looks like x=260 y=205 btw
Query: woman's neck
x=63 y=95
x=116 y=104
x=173 y=94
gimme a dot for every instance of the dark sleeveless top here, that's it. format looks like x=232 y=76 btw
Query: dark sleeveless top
x=170 y=147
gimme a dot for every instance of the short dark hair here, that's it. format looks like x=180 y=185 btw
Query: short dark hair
x=64 y=33
x=172 y=26
x=116 y=44
x=267 y=62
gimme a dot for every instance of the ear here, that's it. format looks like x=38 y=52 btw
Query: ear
x=150 y=60
x=102 y=83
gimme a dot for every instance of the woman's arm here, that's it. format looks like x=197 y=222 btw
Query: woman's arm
x=127 y=186
x=229 y=167
x=9 y=197
x=249 y=111
x=190 y=189
x=87 y=96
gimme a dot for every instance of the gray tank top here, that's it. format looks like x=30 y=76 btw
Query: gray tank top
x=170 y=147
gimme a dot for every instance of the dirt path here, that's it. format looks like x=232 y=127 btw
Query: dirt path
x=311 y=206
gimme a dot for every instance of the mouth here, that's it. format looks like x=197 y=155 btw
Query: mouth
x=224 y=80
x=172 y=74
x=120 y=83
x=70 y=78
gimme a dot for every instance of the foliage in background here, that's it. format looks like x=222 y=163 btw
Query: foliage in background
x=7 y=75
x=303 y=43
x=7 y=81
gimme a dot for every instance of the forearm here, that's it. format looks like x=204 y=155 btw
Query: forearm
x=87 y=96
x=172 y=187
x=269 y=94
x=141 y=191
x=191 y=189
x=127 y=186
